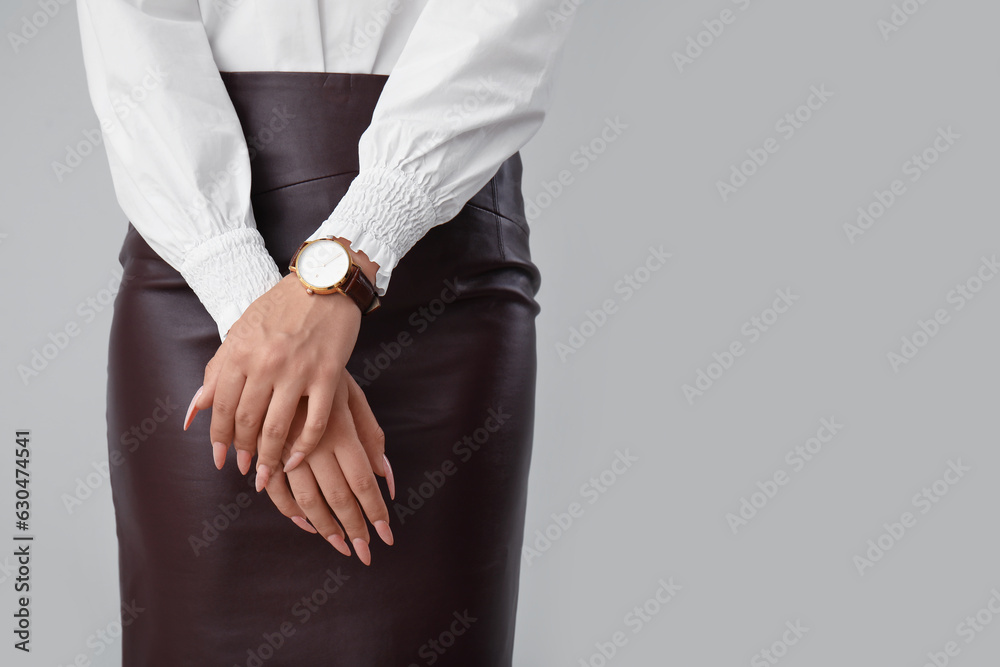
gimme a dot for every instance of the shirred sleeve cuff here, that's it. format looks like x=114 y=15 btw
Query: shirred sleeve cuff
x=383 y=214
x=228 y=272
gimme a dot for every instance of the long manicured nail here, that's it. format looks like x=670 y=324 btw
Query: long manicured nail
x=361 y=548
x=389 y=479
x=382 y=528
x=219 y=452
x=339 y=544
x=243 y=458
x=293 y=461
x=263 y=476
x=303 y=524
x=192 y=411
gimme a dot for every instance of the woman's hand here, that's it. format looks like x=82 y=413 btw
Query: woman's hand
x=337 y=479
x=288 y=344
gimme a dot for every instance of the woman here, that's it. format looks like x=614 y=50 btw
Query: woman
x=275 y=177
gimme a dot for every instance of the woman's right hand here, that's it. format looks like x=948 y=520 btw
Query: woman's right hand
x=336 y=481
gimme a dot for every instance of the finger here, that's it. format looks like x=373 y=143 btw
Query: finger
x=337 y=494
x=271 y=441
x=228 y=389
x=309 y=497
x=212 y=369
x=353 y=464
x=369 y=432
x=202 y=399
x=321 y=395
x=192 y=408
x=281 y=496
x=248 y=420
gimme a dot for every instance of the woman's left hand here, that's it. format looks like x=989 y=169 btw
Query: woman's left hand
x=335 y=488
x=287 y=344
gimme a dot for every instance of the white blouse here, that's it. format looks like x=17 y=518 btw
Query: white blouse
x=469 y=85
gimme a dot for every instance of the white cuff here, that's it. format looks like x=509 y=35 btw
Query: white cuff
x=383 y=214
x=228 y=272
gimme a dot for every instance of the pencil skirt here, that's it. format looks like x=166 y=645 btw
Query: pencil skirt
x=211 y=574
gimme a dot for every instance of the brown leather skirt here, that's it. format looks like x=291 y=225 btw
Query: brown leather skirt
x=212 y=574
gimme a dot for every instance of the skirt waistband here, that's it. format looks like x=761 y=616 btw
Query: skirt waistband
x=302 y=125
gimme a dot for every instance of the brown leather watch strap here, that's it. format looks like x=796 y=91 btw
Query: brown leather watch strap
x=357 y=286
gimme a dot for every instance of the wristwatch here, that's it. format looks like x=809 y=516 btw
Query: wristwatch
x=324 y=266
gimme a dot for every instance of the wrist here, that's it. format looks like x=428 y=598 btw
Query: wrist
x=367 y=266
x=228 y=272
x=385 y=211
x=328 y=265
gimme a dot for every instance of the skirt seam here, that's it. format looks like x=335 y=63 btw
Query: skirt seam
x=500 y=216
x=308 y=180
x=496 y=205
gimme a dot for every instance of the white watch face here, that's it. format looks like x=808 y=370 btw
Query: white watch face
x=323 y=263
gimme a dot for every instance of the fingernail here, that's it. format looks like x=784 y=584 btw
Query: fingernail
x=219 y=454
x=303 y=524
x=293 y=461
x=361 y=548
x=263 y=476
x=339 y=544
x=382 y=528
x=389 y=479
x=243 y=458
x=192 y=411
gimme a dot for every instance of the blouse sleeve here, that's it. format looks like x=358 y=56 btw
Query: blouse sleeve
x=469 y=89
x=178 y=159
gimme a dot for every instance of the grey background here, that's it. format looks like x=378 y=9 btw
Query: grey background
x=655 y=185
